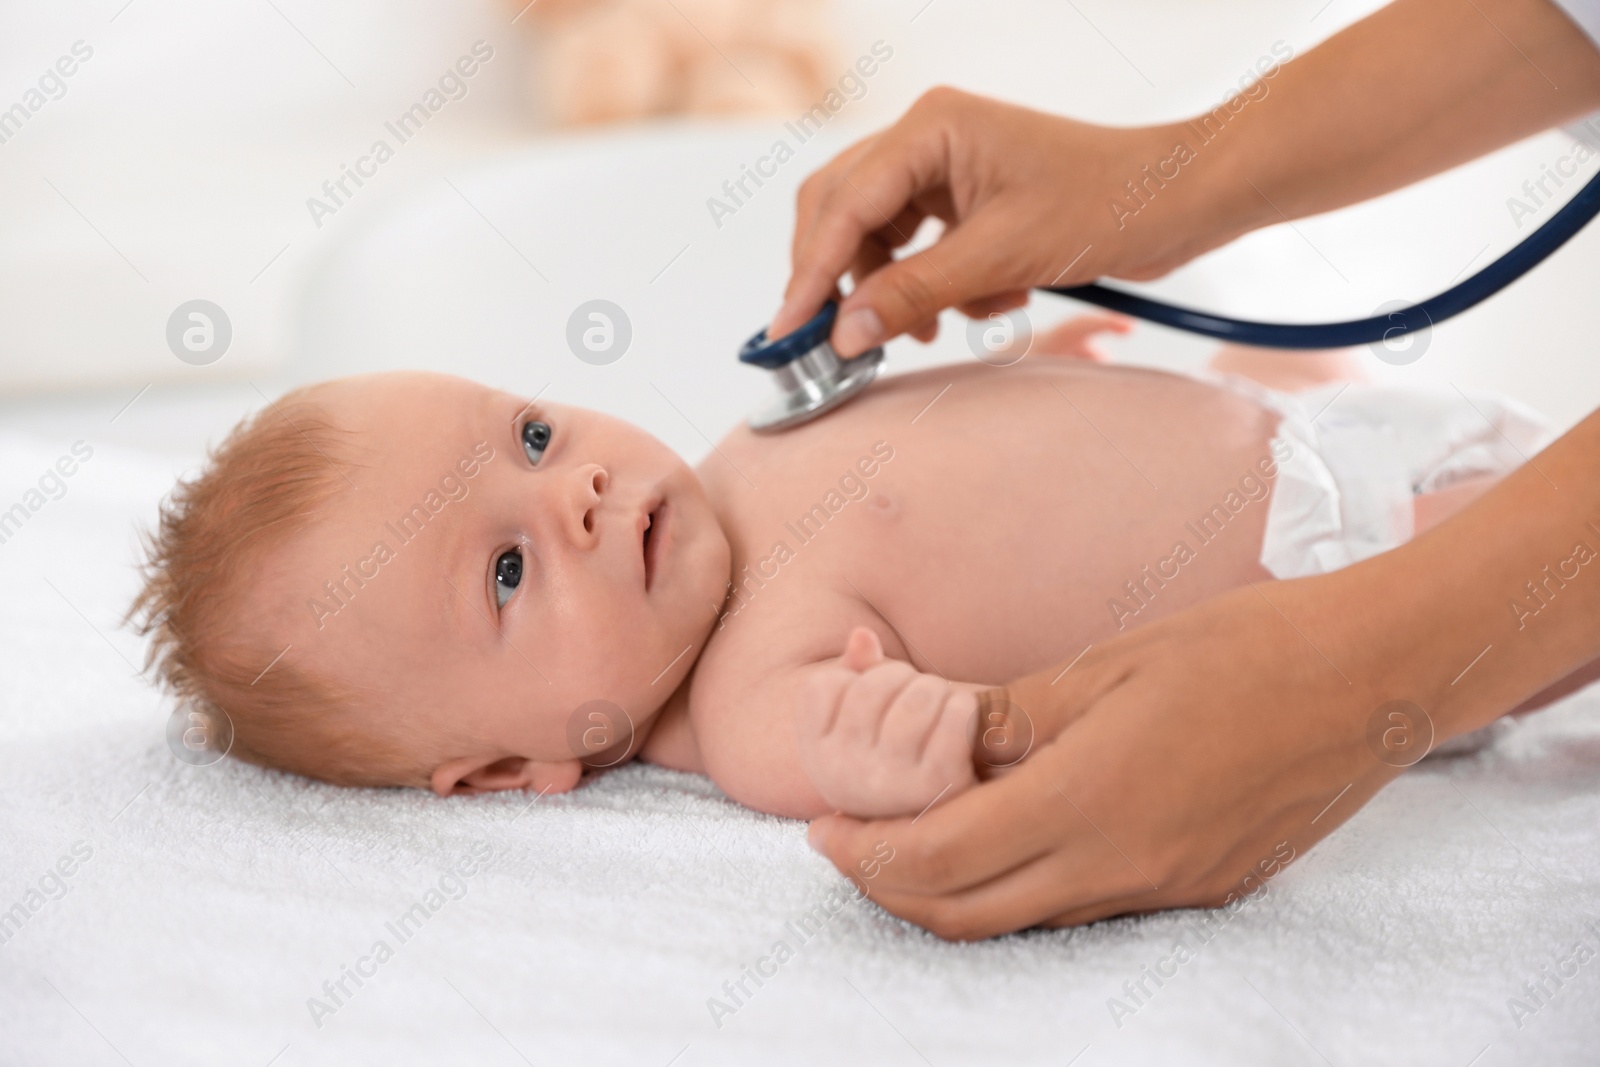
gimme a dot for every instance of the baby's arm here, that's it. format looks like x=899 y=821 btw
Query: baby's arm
x=777 y=739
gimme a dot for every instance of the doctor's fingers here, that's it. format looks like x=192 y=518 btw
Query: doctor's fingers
x=877 y=251
x=1081 y=876
x=979 y=835
x=992 y=305
x=970 y=261
x=1027 y=896
x=824 y=178
x=800 y=303
x=871 y=184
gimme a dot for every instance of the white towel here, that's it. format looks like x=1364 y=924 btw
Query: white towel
x=215 y=902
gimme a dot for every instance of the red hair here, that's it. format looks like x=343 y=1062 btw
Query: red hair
x=273 y=475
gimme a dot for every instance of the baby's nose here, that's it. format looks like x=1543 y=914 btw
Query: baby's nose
x=588 y=489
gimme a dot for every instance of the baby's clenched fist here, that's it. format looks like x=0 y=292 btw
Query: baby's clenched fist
x=878 y=738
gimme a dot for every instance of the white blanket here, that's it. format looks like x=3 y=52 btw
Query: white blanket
x=172 y=914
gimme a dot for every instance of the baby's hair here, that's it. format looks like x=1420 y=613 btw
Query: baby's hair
x=271 y=477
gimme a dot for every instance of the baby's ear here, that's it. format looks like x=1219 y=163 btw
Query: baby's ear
x=469 y=775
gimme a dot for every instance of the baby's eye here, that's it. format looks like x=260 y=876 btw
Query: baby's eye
x=535 y=436
x=507 y=575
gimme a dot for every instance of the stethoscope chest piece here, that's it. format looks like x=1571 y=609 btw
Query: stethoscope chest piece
x=811 y=377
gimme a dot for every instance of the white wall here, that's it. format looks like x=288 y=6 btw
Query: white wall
x=179 y=160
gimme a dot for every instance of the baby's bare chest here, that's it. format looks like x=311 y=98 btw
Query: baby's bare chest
x=989 y=518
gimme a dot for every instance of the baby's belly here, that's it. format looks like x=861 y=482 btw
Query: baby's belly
x=998 y=520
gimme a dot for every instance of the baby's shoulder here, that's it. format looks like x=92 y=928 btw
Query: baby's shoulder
x=747 y=644
x=752 y=646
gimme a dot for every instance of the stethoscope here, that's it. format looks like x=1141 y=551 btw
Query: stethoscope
x=812 y=379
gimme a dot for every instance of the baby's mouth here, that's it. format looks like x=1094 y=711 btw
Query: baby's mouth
x=651 y=541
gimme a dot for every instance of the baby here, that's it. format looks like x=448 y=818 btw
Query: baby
x=410 y=579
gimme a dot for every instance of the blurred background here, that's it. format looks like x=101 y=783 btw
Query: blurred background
x=226 y=151
x=203 y=204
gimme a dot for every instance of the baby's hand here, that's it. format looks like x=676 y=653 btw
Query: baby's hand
x=878 y=738
x=1075 y=338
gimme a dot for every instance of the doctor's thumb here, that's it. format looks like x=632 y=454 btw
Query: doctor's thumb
x=905 y=293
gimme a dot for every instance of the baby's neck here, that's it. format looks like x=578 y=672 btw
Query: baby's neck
x=671 y=742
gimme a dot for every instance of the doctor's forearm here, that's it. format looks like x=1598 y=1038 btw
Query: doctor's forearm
x=1500 y=600
x=1414 y=89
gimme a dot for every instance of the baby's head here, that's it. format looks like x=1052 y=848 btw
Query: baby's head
x=413 y=579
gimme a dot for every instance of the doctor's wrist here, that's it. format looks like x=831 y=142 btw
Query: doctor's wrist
x=1181 y=195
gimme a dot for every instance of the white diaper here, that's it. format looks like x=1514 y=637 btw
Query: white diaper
x=1360 y=453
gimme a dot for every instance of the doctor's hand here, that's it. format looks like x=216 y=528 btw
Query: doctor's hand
x=1026 y=200
x=1173 y=763
x=1030 y=199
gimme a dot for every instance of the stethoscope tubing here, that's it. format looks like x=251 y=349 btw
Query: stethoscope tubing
x=1386 y=327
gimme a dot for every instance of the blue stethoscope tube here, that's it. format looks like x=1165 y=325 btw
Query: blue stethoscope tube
x=812 y=379
x=1538 y=245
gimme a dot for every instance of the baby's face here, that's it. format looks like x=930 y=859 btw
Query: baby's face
x=487 y=572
